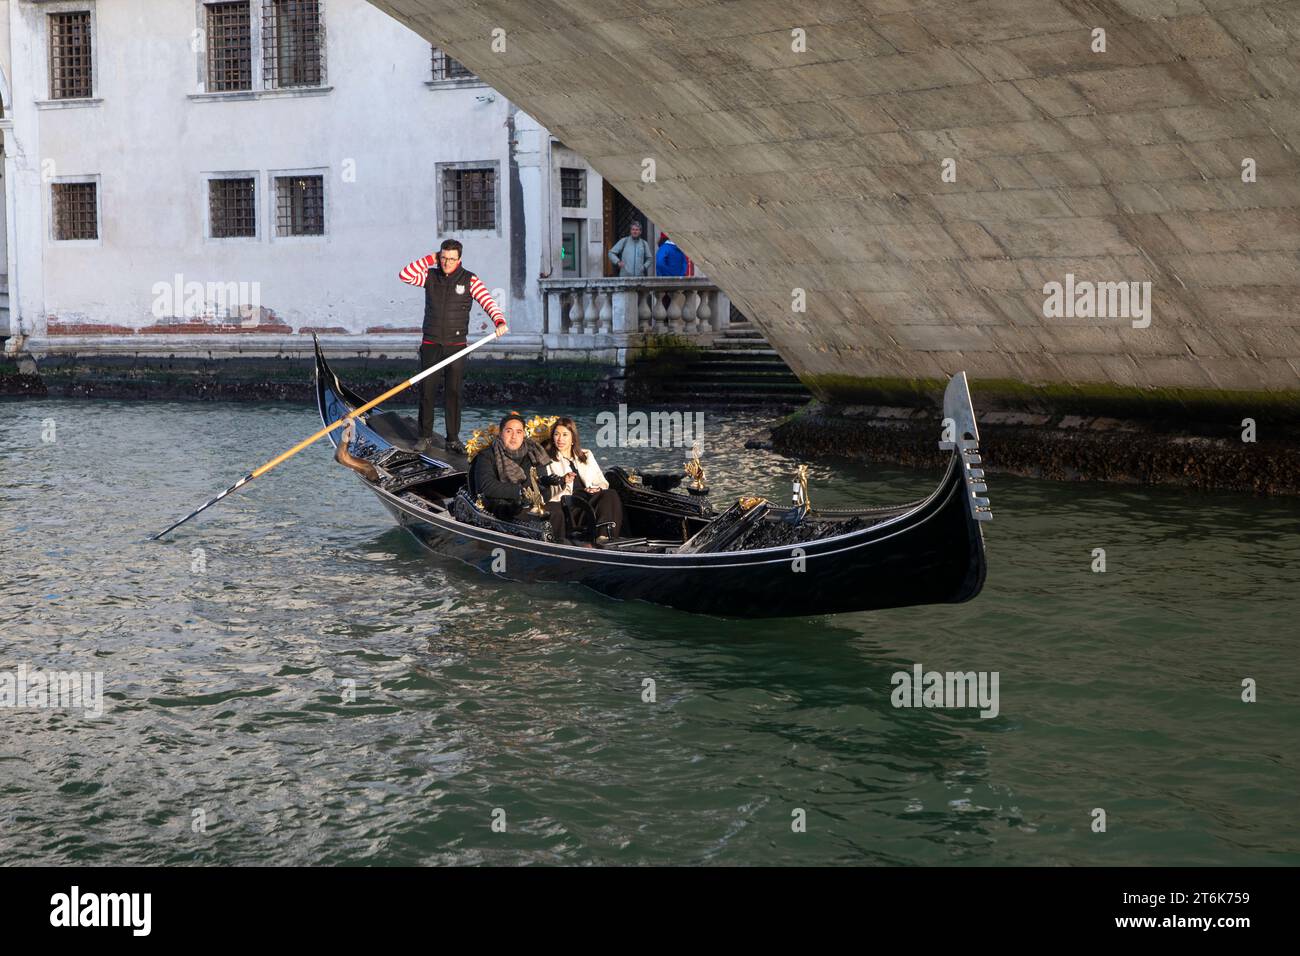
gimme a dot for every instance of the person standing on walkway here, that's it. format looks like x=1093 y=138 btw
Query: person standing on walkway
x=670 y=261
x=449 y=291
x=631 y=254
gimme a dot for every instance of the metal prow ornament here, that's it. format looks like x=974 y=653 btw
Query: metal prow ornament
x=694 y=469
x=801 y=498
x=534 y=495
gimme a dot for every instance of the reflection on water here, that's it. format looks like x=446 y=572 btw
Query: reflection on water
x=289 y=679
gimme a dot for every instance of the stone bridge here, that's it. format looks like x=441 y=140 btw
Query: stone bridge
x=896 y=189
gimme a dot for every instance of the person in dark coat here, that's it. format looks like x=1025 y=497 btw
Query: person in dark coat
x=502 y=470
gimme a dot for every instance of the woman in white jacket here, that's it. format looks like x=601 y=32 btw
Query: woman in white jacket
x=568 y=457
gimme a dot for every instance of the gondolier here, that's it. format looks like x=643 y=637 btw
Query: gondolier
x=449 y=292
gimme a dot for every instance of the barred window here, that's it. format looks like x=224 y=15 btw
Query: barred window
x=75 y=216
x=300 y=205
x=232 y=207
x=469 y=199
x=70 y=63
x=573 y=187
x=445 y=68
x=230 y=46
x=292 y=43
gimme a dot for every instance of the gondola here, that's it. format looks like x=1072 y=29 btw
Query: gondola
x=750 y=558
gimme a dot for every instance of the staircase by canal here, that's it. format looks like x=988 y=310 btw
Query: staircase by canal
x=740 y=370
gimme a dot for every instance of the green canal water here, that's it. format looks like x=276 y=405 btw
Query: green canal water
x=231 y=650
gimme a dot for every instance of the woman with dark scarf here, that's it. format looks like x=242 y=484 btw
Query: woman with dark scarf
x=503 y=469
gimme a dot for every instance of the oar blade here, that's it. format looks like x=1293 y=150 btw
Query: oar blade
x=203 y=507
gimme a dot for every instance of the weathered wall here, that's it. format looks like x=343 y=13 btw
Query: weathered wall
x=375 y=131
x=821 y=170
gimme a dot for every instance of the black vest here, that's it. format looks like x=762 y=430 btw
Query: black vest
x=446 y=310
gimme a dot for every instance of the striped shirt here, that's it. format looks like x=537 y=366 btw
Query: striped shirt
x=414 y=273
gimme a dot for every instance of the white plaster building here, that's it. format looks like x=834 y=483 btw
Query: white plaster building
x=199 y=177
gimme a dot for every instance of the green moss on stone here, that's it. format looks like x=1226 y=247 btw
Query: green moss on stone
x=1098 y=398
x=669 y=349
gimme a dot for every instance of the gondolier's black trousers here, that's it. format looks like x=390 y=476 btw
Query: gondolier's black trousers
x=453 y=377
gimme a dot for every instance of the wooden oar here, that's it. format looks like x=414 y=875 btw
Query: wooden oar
x=258 y=472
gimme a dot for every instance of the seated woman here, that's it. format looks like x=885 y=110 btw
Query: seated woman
x=571 y=459
x=502 y=470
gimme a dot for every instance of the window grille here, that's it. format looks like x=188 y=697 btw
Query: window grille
x=292 y=43
x=75 y=216
x=573 y=187
x=446 y=68
x=469 y=199
x=70 y=63
x=300 y=205
x=232 y=207
x=230 y=46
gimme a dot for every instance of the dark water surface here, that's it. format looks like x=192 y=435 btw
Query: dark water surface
x=224 y=684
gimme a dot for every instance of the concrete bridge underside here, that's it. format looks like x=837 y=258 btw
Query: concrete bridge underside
x=779 y=169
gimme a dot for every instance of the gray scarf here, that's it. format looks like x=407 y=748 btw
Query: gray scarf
x=510 y=464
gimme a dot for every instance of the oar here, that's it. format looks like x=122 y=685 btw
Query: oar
x=258 y=472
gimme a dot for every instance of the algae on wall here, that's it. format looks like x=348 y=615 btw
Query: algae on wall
x=1118 y=401
x=658 y=359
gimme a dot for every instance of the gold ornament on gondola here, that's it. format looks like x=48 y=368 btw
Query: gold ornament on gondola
x=533 y=494
x=695 y=470
x=747 y=502
x=481 y=438
x=802 y=499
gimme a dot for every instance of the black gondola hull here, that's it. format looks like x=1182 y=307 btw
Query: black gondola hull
x=932 y=553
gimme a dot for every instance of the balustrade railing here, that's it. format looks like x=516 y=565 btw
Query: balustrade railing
x=625 y=308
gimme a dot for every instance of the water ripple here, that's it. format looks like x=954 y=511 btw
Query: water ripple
x=289 y=679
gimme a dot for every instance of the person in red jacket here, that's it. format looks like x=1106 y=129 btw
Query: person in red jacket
x=449 y=291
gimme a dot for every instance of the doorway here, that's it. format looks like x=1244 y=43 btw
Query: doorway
x=572 y=248
x=619 y=214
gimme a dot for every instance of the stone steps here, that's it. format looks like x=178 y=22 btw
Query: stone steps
x=741 y=384
x=740 y=371
x=742 y=346
x=777 y=404
x=746 y=363
x=747 y=371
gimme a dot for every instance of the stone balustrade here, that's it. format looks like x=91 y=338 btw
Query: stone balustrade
x=595 y=315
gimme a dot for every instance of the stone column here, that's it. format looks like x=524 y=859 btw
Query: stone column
x=626 y=319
